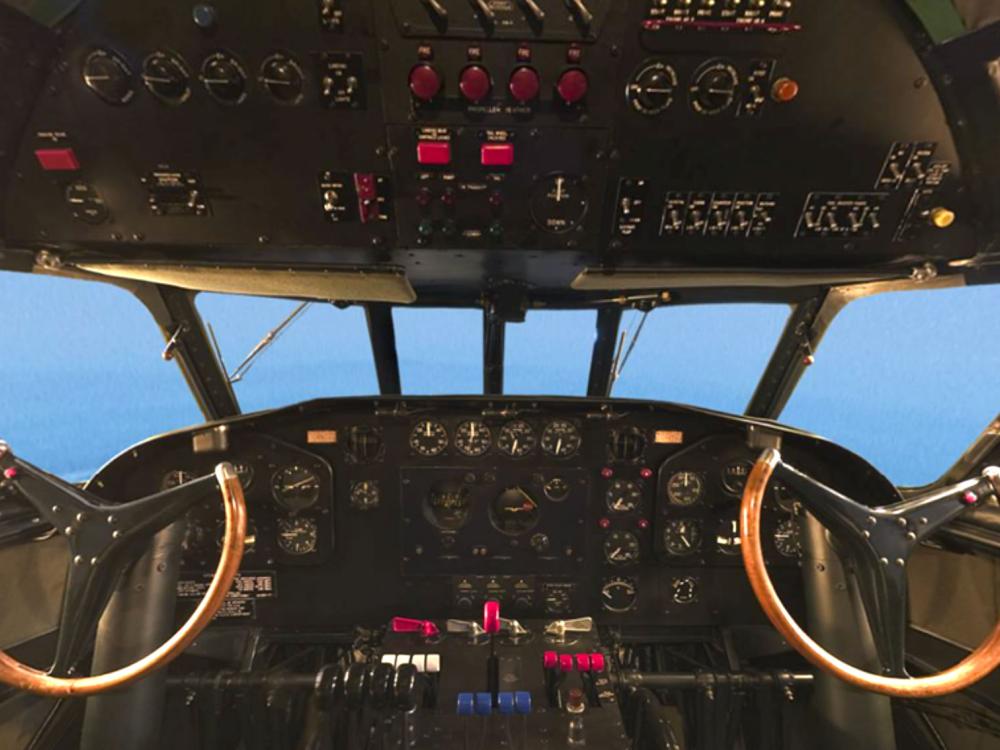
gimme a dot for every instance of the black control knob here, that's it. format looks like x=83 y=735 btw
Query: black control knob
x=652 y=89
x=714 y=89
x=282 y=78
x=108 y=76
x=167 y=77
x=224 y=78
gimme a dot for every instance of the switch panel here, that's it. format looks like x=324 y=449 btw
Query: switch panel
x=725 y=15
x=841 y=215
x=719 y=215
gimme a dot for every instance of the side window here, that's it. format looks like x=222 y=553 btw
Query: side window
x=317 y=351
x=81 y=374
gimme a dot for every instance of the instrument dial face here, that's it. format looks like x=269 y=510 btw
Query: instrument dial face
x=623 y=496
x=295 y=488
x=786 y=498
x=561 y=439
x=714 y=88
x=652 y=89
x=622 y=548
x=448 y=506
x=735 y=476
x=429 y=438
x=297 y=536
x=108 y=76
x=224 y=78
x=365 y=495
x=627 y=446
x=559 y=204
x=514 y=512
x=244 y=470
x=282 y=78
x=619 y=595
x=517 y=439
x=684 y=590
x=167 y=77
x=175 y=479
x=727 y=538
x=685 y=488
x=682 y=537
x=787 y=538
x=557 y=489
x=473 y=438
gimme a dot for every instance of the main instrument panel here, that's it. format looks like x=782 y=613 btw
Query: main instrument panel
x=361 y=510
x=549 y=135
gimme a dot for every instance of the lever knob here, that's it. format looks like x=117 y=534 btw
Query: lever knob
x=491 y=617
x=405 y=625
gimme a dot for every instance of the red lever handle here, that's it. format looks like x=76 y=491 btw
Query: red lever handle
x=405 y=625
x=491 y=617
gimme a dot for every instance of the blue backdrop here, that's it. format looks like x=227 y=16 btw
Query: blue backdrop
x=907 y=380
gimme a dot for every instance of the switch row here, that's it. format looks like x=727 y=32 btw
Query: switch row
x=425 y=663
x=569 y=662
x=481 y=704
x=438 y=154
x=475 y=84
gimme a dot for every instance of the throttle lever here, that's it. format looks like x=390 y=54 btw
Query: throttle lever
x=426 y=628
x=560 y=628
x=469 y=627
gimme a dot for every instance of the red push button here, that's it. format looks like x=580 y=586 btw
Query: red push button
x=583 y=662
x=475 y=83
x=434 y=153
x=525 y=84
x=550 y=660
x=425 y=82
x=498 y=154
x=57 y=159
x=597 y=662
x=566 y=662
x=573 y=86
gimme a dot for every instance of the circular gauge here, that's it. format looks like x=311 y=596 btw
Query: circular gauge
x=295 y=488
x=684 y=590
x=787 y=499
x=559 y=204
x=514 y=512
x=652 y=88
x=365 y=495
x=540 y=543
x=167 y=77
x=561 y=439
x=735 y=475
x=429 y=438
x=517 y=439
x=556 y=489
x=224 y=78
x=108 y=76
x=249 y=540
x=682 y=537
x=621 y=548
x=175 y=478
x=727 y=537
x=685 y=488
x=448 y=505
x=473 y=438
x=714 y=88
x=788 y=539
x=623 y=496
x=627 y=445
x=297 y=536
x=619 y=595
x=245 y=472
x=282 y=78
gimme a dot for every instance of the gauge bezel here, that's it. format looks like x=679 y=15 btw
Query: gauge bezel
x=523 y=452
x=628 y=582
x=698 y=532
x=438 y=427
x=520 y=530
x=637 y=489
x=300 y=522
x=575 y=431
x=634 y=541
x=281 y=500
x=459 y=441
x=672 y=496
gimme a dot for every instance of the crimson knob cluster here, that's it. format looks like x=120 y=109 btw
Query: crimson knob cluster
x=476 y=84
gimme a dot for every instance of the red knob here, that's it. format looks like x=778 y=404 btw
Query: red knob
x=425 y=82
x=491 y=617
x=475 y=83
x=525 y=84
x=573 y=86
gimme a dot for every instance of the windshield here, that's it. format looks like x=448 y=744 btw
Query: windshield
x=549 y=353
x=907 y=380
x=81 y=374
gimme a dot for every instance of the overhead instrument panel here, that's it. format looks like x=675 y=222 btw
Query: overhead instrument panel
x=547 y=136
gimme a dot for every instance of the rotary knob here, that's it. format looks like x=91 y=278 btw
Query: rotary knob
x=425 y=82
x=573 y=86
x=475 y=83
x=525 y=84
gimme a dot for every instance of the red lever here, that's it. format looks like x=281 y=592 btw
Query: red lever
x=491 y=617
x=426 y=628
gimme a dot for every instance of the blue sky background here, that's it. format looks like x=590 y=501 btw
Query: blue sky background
x=906 y=380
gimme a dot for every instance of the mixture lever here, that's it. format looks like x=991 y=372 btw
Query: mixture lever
x=560 y=628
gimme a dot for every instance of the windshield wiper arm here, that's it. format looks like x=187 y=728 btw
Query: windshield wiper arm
x=265 y=343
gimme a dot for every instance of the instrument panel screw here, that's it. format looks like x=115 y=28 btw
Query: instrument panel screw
x=871 y=521
x=115 y=534
x=902 y=522
x=867 y=534
x=884 y=560
x=93 y=561
x=112 y=520
x=911 y=536
x=901 y=562
x=78 y=560
x=55 y=508
x=68 y=531
x=81 y=517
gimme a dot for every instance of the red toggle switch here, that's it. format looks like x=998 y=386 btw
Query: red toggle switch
x=583 y=662
x=550 y=660
x=426 y=628
x=497 y=154
x=565 y=662
x=57 y=159
x=491 y=617
x=437 y=153
x=597 y=662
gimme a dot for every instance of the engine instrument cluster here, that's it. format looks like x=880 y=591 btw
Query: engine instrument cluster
x=624 y=510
